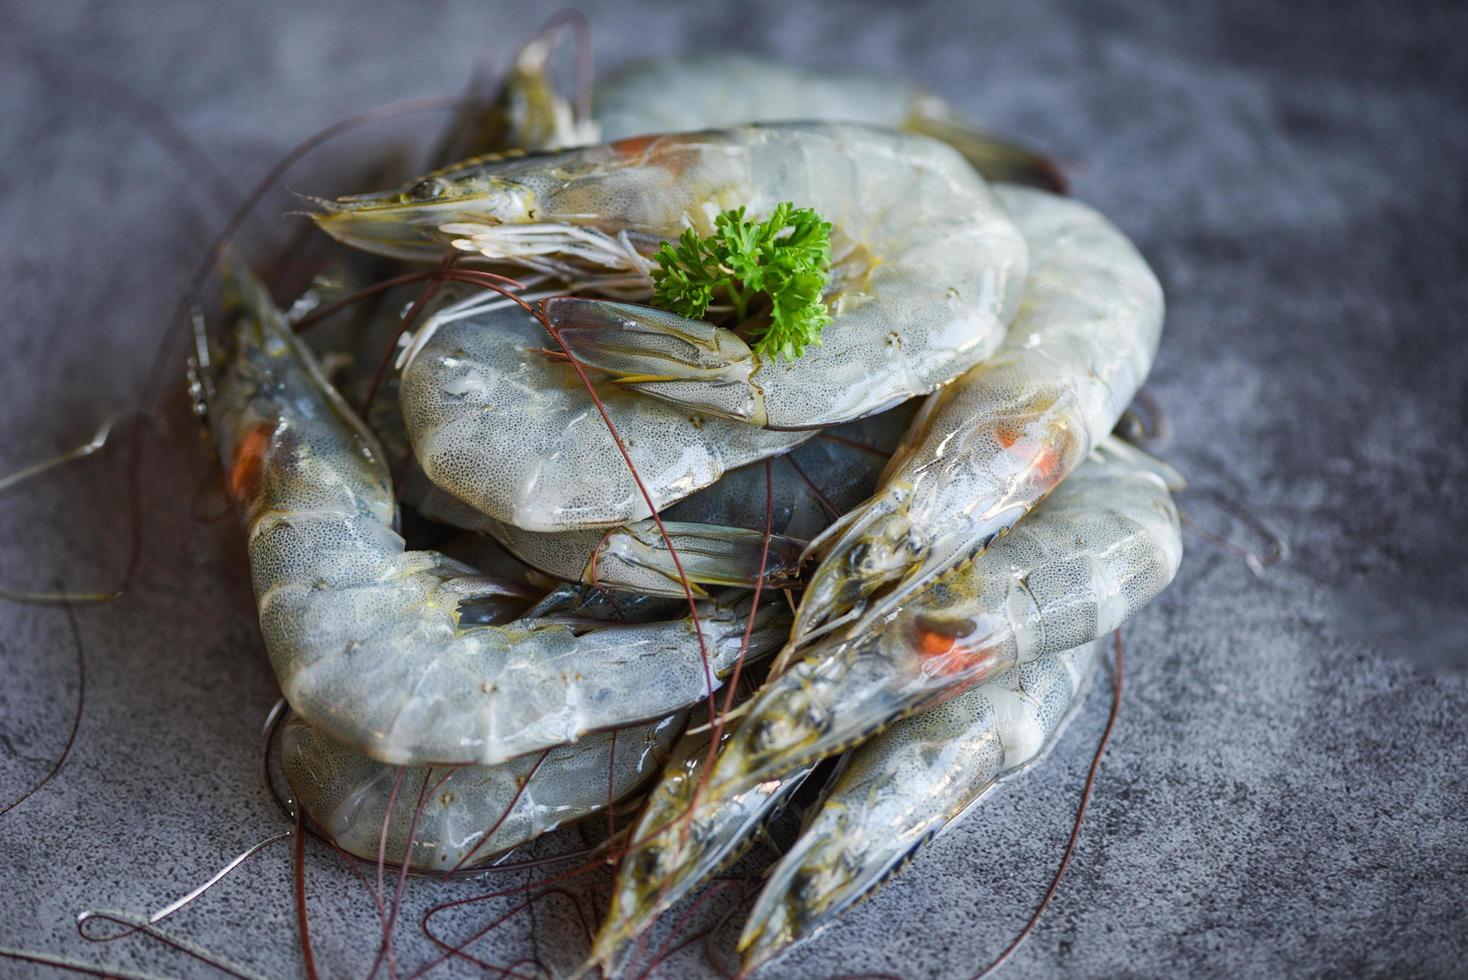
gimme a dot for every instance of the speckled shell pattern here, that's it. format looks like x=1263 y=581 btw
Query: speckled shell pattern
x=364 y=636
x=1087 y=558
x=907 y=784
x=1096 y=551
x=936 y=276
x=498 y=426
x=992 y=444
x=347 y=794
x=840 y=476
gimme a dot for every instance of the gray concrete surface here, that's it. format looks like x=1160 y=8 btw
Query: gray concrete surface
x=1286 y=791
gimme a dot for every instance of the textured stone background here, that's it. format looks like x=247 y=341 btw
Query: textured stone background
x=1287 y=786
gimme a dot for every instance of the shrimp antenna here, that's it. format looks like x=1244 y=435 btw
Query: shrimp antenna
x=1273 y=547
x=1075 y=831
x=76 y=718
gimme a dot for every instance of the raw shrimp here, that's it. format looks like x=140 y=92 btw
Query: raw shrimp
x=369 y=641
x=1098 y=549
x=511 y=433
x=927 y=267
x=718 y=532
x=905 y=786
x=1092 y=554
x=476 y=813
x=988 y=447
x=713 y=90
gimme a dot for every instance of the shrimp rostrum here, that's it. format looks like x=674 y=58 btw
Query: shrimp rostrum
x=926 y=274
x=369 y=640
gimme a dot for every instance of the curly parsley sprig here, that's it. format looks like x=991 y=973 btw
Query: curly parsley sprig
x=786 y=258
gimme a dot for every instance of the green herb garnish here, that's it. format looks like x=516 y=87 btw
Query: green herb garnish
x=785 y=258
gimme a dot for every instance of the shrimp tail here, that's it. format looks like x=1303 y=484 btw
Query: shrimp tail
x=994 y=158
x=687 y=362
x=639 y=558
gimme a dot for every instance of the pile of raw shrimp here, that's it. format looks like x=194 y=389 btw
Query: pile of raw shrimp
x=672 y=579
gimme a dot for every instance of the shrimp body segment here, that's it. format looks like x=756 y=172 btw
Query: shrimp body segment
x=988 y=447
x=713 y=90
x=471 y=814
x=927 y=266
x=1096 y=551
x=366 y=638
x=718 y=532
x=906 y=785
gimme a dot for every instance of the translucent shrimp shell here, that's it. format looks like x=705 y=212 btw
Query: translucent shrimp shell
x=989 y=447
x=906 y=785
x=1097 y=550
x=515 y=436
x=367 y=639
x=470 y=814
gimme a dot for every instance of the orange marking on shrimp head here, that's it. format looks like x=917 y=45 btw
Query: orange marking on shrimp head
x=635 y=145
x=248 y=462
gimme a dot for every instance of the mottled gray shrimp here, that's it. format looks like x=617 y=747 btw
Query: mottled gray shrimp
x=712 y=90
x=368 y=640
x=1092 y=554
x=927 y=266
x=906 y=785
x=987 y=448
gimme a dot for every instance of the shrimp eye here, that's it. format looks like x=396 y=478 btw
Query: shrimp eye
x=427 y=190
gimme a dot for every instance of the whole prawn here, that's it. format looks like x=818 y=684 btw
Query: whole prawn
x=1092 y=554
x=927 y=270
x=368 y=640
x=906 y=785
x=987 y=448
x=712 y=90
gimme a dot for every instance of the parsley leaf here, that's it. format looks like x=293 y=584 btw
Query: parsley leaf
x=786 y=258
